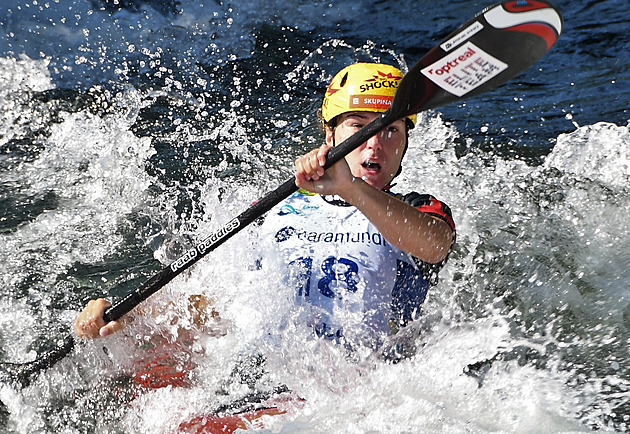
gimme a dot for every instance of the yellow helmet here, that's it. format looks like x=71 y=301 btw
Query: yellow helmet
x=362 y=87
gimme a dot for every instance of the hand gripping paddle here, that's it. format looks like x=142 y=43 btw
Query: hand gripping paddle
x=496 y=45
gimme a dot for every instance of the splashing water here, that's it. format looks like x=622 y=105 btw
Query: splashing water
x=145 y=127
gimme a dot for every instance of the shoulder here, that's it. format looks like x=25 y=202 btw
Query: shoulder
x=429 y=205
x=436 y=208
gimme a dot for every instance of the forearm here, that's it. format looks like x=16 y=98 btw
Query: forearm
x=422 y=235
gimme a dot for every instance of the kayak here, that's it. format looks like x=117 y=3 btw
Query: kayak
x=168 y=364
x=249 y=416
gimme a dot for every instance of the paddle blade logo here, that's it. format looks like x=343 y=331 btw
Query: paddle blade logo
x=533 y=17
x=464 y=70
x=462 y=36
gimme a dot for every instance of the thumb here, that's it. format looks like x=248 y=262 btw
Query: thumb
x=110 y=328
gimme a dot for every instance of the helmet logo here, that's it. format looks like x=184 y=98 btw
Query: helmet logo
x=382 y=75
x=381 y=81
x=331 y=91
x=371 y=102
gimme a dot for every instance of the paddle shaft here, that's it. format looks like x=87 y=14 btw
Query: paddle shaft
x=23 y=373
x=254 y=212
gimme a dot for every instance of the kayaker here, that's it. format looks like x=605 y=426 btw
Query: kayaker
x=356 y=252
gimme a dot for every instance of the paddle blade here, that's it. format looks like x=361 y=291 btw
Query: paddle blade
x=20 y=375
x=17 y=375
x=488 y=50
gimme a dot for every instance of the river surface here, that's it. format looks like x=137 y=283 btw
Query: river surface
x=130 y=131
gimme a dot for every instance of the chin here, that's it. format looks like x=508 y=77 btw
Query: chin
x=374 y=181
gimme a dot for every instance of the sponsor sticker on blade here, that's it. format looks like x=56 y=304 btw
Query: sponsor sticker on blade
x=462 y=36
x=464 y=70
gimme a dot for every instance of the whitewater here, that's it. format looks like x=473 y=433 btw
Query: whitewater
x=130 y=131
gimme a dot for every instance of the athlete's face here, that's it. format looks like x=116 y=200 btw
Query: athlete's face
x=377 y=160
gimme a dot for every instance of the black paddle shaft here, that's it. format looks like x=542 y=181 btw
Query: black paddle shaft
x=21 y=374
x=488 y=50
x=254 y=212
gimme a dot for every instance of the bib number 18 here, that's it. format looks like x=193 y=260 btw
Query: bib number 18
x=338 y=273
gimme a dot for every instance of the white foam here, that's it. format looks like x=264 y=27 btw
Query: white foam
x=599 y=152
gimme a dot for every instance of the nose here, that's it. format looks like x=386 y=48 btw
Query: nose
x=375 y=142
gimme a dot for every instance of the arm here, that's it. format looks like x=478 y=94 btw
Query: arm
x=419 y=234
x=426 y=237
x=90 y=324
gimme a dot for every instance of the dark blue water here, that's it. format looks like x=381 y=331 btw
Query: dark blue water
x=130 y=130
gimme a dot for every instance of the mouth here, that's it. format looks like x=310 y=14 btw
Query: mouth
x=371 y=165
